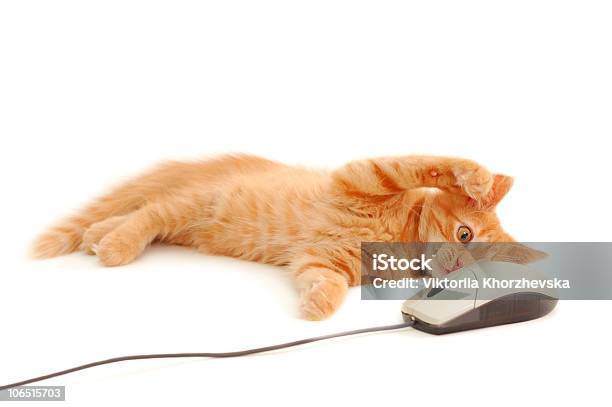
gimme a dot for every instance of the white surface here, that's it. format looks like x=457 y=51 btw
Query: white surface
x=92 y=93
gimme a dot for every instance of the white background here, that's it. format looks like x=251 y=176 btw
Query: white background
x=91 y=93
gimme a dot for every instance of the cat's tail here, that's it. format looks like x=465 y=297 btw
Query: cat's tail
x=66 y=236
x=62 y=238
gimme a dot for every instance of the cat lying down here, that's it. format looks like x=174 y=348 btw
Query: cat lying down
x=309 y=221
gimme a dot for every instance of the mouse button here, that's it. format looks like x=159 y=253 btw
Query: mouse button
x=504 y=278
x=507 y=270
x=476 y=270
x=461 y=278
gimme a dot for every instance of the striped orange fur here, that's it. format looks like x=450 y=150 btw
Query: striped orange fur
x=310 y=221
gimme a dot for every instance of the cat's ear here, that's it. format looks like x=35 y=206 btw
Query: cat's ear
x=516 y=253
x=501 y=186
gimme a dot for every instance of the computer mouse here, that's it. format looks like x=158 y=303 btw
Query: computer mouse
x=484 y=294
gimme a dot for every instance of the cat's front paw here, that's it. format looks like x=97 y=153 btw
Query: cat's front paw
x=450 y=257
x=472 y=178
x=322 y=293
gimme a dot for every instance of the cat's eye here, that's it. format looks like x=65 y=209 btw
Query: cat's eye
x=464 y=234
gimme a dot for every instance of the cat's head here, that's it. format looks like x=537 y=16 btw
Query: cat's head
x=451 y=217
x=456 y=218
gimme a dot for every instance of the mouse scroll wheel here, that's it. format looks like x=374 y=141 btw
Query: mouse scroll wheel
x=434 y=291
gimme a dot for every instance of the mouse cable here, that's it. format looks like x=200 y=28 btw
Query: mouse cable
x=208 y=354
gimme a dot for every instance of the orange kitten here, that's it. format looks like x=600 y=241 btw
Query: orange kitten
x=310 y=221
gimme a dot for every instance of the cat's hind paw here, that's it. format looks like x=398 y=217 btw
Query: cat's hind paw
x=117 y=250
x=96 y=232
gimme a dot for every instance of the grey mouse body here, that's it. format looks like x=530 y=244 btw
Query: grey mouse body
x=483 y=294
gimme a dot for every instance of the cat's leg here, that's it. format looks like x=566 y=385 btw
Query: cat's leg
x=391 y=175
x=124 y=243
x=156 y=220
x=97 y=231
x=323 y=281
x=321 y=292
